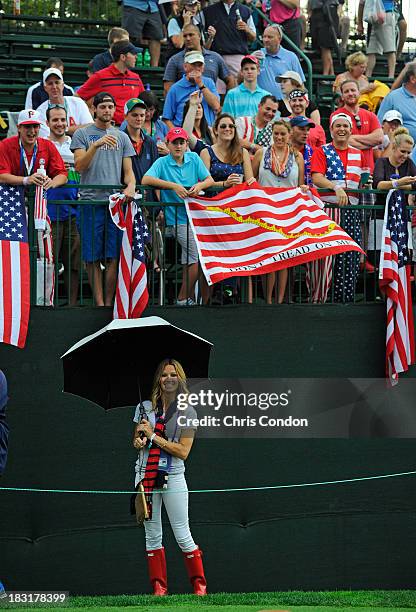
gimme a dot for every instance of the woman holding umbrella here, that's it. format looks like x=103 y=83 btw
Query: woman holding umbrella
x=164 y=444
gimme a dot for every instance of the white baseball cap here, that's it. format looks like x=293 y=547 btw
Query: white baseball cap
x=393 y=115
x=51 y=71
x=343 y=116
x=29 y=117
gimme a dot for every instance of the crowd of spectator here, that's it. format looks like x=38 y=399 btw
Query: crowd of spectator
x=230 y=114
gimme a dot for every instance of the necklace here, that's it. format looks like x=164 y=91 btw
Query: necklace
x=279 y=161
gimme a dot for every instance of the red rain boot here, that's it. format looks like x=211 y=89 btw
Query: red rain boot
x=156 y=563
x=195 y=569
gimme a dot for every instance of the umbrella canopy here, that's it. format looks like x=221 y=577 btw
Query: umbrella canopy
x=108 y=366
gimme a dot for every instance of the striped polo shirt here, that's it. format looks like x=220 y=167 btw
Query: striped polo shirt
x=121 y=85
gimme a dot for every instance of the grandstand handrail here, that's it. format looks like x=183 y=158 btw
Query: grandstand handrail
x=294 y=48
x=70 y=20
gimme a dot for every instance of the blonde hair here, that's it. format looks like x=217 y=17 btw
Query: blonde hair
x=156 y=390
x=284 y=123
x=354 y=59
x=401 y=135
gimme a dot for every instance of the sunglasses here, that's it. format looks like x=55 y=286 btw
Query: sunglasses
x=224 y=126
x=358 y=121
x=57 y=106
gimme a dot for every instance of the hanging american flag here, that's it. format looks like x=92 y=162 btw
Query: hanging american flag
x=14 y=267
x=40 y=208
x=249 y=230
x=394 y=280
x=131 y=294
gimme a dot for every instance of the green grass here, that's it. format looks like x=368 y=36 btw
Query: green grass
x=293 y=601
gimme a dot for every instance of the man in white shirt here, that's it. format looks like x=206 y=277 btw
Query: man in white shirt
x=66 y=240
x=77 y=112
x=36 y=93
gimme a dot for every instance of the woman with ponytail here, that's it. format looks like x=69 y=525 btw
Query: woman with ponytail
x=164 y=444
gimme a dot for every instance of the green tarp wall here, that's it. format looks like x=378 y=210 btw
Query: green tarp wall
x=358 y=535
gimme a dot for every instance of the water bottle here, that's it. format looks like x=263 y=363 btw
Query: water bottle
x=139 y=60
x=238 y=14
x=146 y=58
x=395 y=177
x=147 y=87
x=41 y=170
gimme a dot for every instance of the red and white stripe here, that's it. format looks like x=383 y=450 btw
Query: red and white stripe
x=229 y=247
x=395 y=284
x=40 y=208
x=15 y=300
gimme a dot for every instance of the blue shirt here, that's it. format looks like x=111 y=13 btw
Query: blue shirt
x=405 y=102
x=179 y=94
x=275 y=65
x=190 y=172
x=214 y=68
x=388 y=5
x=142 y=5
x=241 y=102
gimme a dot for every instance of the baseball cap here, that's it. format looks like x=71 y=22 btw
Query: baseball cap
x=29 y=117
x=249 y=58
x=175 y=133
x=103 y=96
x=132 y=103
x=393 y=115
x=125 y=46
x=301 y=121
x=341 y=116
x=50 y=71
x=193 y=56
x=290 y=74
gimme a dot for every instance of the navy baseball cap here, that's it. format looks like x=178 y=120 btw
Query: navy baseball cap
x=301 y=121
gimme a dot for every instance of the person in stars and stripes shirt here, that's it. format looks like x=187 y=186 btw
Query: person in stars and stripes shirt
x=337 y=166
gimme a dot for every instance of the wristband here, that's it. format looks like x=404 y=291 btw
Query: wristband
x=25 y=180
x=395 y=183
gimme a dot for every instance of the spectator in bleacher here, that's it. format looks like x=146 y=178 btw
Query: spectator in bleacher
x=299 y=104
x=381 y=37
x=77 y=112
x=66 y=241
x=401 y=25
x=103 y=60
x=153 y=126
x=195 y=124
x=287 y=14
x=299 y=136
x=193 y=80
x=244 y=99
x=234 y=28
x=143 y=145
x=391 y=121
x=179 y=175
x=123 y=82
x=103 y=155
x=276 y=61
x=291 y=81
x=403 y=99
x=356 y=65
x=324 y=27
x=142 y=17
x=20 y=156
x=337 y=166
x=36 y=94
x=278 y=165
x=366 y=130
x=188 y=15
x=255 y=131
x=215 y=67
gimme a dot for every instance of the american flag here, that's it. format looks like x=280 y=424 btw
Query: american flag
x=394 y=280
x=131 y=294
x=14 y=267
x=249 y=230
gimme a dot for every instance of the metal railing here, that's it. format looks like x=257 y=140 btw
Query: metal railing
x=164 y=267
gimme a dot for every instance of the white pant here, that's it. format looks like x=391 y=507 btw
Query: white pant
x=176 y=505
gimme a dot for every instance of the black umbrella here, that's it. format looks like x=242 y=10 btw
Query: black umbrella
x=116 y=365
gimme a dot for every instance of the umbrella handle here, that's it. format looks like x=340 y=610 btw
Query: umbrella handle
x=143 y=497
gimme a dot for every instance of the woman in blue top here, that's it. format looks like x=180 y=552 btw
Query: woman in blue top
x=164 y=440
x=153 y=126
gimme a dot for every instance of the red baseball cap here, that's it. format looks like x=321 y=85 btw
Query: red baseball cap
x=175 y=133
x=249 y=58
